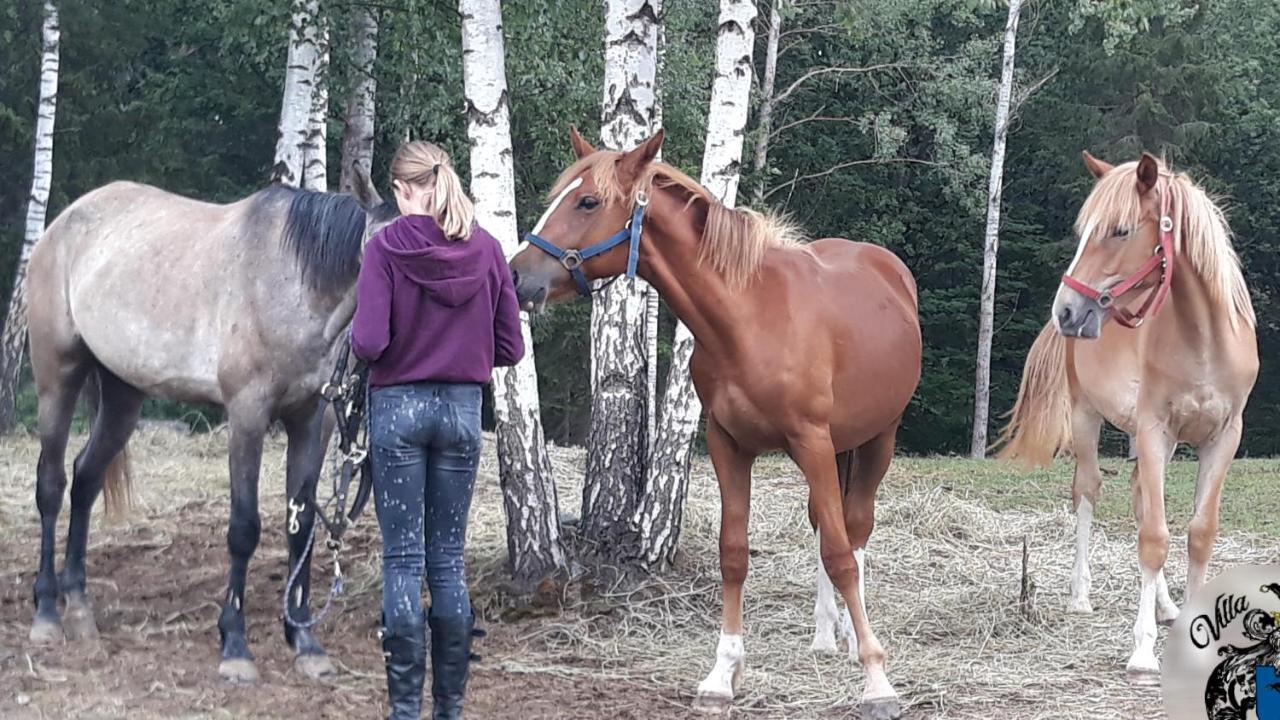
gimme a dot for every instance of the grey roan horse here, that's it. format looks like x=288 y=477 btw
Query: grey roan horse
x=241 y=305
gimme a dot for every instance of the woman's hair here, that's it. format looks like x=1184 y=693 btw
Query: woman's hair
x=424 y=164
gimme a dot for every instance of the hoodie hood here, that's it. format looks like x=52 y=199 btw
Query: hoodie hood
x=450 y=271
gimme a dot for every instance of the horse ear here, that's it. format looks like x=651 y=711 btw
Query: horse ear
x=1148 y=172
x=363 y=190
x=1097 y=167
x=637 y=160
x=581 y=147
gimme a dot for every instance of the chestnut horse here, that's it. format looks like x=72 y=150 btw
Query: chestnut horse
x=144 y=292
x=809 y=348
x=1177 y=365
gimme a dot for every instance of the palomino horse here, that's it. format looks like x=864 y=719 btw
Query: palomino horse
x=813 y=349
x=1178 y=364
x=241 y=305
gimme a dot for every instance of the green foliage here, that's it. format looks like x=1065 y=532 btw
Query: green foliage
x=186 y=95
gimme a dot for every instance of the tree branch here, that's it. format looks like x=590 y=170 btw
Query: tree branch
x=841 y=166
x=823 y=71
x=817 y=116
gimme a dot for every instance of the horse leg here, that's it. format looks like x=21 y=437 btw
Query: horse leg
x=305 y=429
x=816 y=458
x=825 y=614
x=118 y=409
x=860 y=482
x=733 y=471
x=1215 y=460
x=1154 y=446
x=1166 y=609
x=248 y=425
x=57 y=404
x=1085 y=485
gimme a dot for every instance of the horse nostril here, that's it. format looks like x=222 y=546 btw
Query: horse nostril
x=1064 y=317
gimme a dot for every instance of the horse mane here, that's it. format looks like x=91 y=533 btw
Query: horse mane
x=325 y=233
x=734 y=240
x=1201 y=233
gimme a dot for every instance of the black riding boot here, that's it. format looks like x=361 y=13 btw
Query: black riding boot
x=450 y=663
x=406 y=656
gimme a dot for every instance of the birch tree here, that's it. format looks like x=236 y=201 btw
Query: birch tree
x=14 y=337
x=297 y=137
x=760 y=158
x=618 y=442
x=534 y=547
x=315 y=159
x=986 y=317
x=661 y=505
x=357 y=134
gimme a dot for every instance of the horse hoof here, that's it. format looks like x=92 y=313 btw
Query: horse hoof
x=712 y=703
x=45 y=632
x=889 y=708
x=238 y=671
x=79 y=625
x=314 y=665
x=1167 y=620
x=823 y=644
x=1143 y=677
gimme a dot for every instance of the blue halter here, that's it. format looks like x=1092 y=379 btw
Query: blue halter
x=573 y=258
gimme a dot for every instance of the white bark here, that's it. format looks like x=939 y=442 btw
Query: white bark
x=986 y=318
x=620 y=360
x=761 y=157
x=659 y=512
x=534 y=546
x=298 y=99
x=15 y=325
x=315 y=160
x=357 y=134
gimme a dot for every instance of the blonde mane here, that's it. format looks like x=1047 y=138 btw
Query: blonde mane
x=1200 y=234
x=734 y=241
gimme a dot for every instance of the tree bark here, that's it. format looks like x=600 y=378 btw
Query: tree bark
x=986 y=317
x=534 y=546
x=298 y=100
x=618 y=443
x=316 y=160
x=760 y=159
x=14 y=337
x=357 y=134
x=660 y=509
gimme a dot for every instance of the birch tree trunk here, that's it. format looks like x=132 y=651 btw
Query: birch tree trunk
x=760 y=159
x=660 y=509
x=357 y=134
x=534 y=547
x=315 y=164
x=618 y=444
x=298 y=100
x=986 y=318
x=14 y=337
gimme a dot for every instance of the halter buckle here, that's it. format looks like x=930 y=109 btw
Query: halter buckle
x=1105 y=300
x=571 y=260
x=1166 y=224
x=642 y=198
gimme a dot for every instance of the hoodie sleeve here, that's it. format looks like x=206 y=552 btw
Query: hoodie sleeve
x=371 y=327
x=508 y=340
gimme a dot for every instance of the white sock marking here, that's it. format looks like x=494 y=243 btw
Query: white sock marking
x=1081 y=579
x=729 y=656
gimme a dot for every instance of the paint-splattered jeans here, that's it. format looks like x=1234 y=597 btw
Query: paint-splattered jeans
x=425 y=440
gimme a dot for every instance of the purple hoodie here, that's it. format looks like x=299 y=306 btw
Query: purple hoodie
x=431 y=308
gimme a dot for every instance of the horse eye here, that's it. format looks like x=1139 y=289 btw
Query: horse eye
x=588 y=203
x=1120 y=232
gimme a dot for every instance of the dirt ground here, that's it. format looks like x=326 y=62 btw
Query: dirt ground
x=943 y=595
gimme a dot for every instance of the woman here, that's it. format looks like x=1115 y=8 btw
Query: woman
x=436 y=313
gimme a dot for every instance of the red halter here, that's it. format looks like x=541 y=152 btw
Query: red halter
x=1161 y=258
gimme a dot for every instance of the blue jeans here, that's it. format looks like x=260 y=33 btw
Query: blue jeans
x=425 y=446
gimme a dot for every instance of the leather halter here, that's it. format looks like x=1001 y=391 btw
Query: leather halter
x=572 y=259
x=1161 y=257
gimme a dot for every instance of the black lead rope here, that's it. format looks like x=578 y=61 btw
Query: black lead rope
x=348 y=393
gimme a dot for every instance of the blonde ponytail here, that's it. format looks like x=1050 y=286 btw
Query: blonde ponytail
x=426 y=165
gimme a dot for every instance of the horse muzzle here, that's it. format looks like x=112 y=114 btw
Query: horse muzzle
x=1078 y=316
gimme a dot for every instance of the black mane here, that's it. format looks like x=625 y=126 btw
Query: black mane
x=325 y=233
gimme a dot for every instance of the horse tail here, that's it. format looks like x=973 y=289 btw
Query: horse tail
x=1040 y=423
x=117 y=486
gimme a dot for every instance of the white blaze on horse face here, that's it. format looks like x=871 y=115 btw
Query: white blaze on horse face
x=1143 y=661
x=537 y=229
x=1081 y=580
x=721 y=683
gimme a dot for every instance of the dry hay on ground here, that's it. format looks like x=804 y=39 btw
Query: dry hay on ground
x=944 y=585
